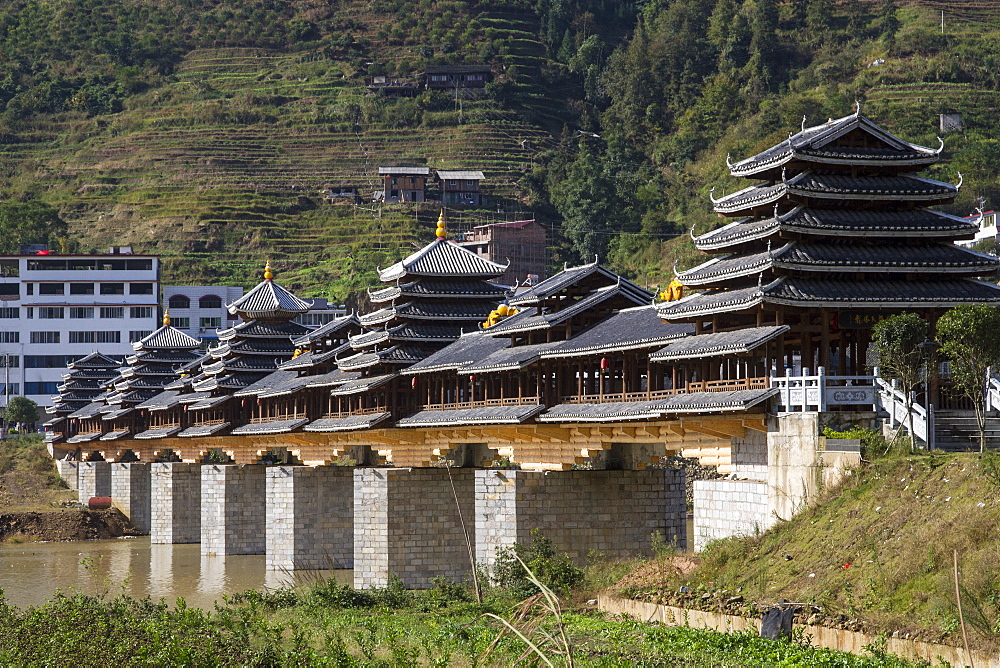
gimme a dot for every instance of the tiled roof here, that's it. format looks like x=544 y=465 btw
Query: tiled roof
x=268 y=300
x=204 y=430
x=730 y=266
x=117 y=414
x=479 y=415
x=443 y=257
x=841 y=222
x=711 y=301
x=166 y=337
x=161 y=432
x=349 y=423
x=335 y=377
x=94 y=361
x=460 y=175
x=164 y=399
x=362 y=385
x=307 y=360
x=468 y=348
x=275 y=427
x=429 y=331
x=939 y=256
x=509 y=359
x=335 y=326
x=211 y=402
x=394 y=355
x=639 y=327
x=84 y=438
x=115 y=435
x=368 y=339
x=720 y=343
x=287 y=387
x=257 y=329
x=429 y=287
x=615 y=296
x=568 y=277
x=90 y=410
x=425 y=310
x=837 y=186
x=897 y=293
x=695 y=402
x=416 y=171
x=472 y=416
x=816 y=141
x=273 y=379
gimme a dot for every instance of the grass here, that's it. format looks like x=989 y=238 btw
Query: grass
x=28 y=478
x=876 y=554
x=326 y=624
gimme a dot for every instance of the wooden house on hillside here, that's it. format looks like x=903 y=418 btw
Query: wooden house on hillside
x=404 y=184
x=450 y=77
x=520 y=243
x=460 y=187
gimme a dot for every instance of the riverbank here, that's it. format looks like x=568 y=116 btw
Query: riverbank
x=63 y=525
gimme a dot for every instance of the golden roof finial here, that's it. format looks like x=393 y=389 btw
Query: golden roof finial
x=267 y=271
x=442 y=231
x=166 y=317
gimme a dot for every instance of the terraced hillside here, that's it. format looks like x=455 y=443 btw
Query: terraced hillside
x=225 y=162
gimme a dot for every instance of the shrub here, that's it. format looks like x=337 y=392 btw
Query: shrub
x=555 y=571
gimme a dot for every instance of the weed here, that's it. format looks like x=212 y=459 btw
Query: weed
x=517 y=568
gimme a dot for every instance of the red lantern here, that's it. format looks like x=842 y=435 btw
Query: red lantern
x=472 y=378
x=604 y=364
x=413 y=383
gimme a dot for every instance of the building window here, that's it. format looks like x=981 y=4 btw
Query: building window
x=10 y=337
x=210 y=301
x=112 y=288
x=209 y=322
x=29 y=288
x=140 y=312
x=45 y=337
x=95 y=337
x=140 y=288
x=179 y=301
x=139 y=265
x=112 y=312
x=51 y=288
x=48 y=387
x=15 y=388
x=81 y=311
x=81 y=288
x=51 y=312
x=315 y=319
x=181 y=323
x=9 y=291
x=48 y=361
x=9 y=361
x=10 y=312
x=138 y=336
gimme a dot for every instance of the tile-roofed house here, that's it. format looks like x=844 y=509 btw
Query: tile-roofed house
x=460 y=187
x=404 y=184
x=837 y=225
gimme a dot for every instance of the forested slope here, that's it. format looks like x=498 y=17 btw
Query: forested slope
x=205 y=131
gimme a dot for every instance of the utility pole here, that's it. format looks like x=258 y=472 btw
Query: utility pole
x=942 y=21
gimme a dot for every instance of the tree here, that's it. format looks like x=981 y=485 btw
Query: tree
x=897 y=340
x=20 y=411
x=29 y=223
x=968 y=338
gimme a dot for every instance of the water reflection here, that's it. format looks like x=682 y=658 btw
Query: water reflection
x=31 y=573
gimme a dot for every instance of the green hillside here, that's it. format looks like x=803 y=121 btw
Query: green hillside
x=206 y=133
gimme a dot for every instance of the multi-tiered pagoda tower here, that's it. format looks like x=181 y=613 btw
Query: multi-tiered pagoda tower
x=835 y=235
x=83 y=386
x=436 y=294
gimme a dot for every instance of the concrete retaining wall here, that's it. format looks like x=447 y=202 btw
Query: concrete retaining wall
x=845 y=641
x=724 y=508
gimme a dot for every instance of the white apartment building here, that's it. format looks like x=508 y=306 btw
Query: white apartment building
x=57 y=308
x=200 y=310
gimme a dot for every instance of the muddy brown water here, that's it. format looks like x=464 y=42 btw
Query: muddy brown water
x=32 y=573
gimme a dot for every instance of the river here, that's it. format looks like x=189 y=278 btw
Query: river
x=31 y=573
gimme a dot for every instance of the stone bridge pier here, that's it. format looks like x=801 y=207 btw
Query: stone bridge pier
x=131 y=493
x=94 y=479
x=233 y=509
x=176 y=503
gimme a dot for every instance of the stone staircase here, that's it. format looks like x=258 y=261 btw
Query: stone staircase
x=956 y=430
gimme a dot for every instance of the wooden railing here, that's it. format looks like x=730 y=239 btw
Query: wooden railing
x=359 y=411
x=513 y=401
x=701 y=386
x=276 y=418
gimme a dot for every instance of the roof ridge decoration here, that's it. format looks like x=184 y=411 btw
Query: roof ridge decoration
x=269 y=300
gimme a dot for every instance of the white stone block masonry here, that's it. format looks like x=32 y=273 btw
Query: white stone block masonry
x=233 y=509
x=130 y=492
x=310 y=517
x=94 y=480
x=175 y=490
